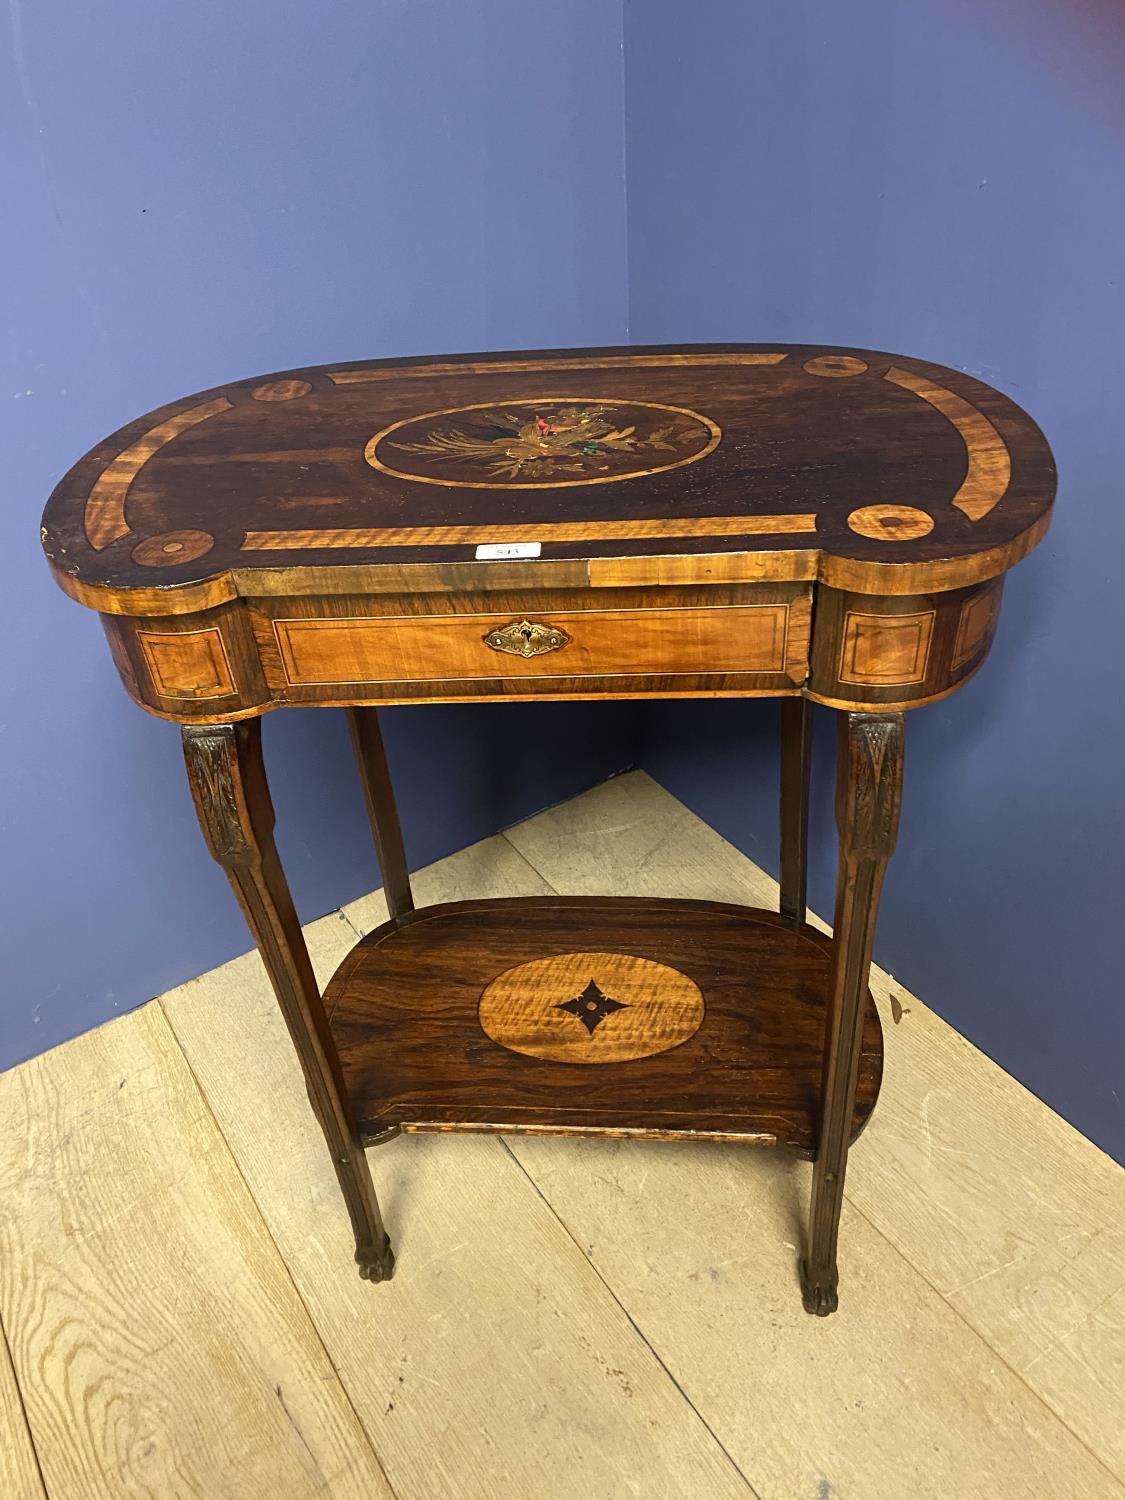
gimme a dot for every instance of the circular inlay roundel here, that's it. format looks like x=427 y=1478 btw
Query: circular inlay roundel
x=545 y=443
x=891 y=523
x=835 y=366
x=591 y=1008
x=281 y=390
x=171 y=547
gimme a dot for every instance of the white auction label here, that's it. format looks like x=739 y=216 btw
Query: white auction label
x=490 y=551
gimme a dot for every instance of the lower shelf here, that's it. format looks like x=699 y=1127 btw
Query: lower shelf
x=575 y=1015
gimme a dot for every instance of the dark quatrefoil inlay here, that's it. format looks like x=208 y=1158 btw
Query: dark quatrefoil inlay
x=592 y=1006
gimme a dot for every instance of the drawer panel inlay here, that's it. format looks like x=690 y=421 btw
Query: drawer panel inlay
x=640 y=642
x=886 y=650
x=187 y=664
x=978 y=617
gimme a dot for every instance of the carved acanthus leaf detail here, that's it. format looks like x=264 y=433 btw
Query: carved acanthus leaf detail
x=874 y=782
x=208 y=752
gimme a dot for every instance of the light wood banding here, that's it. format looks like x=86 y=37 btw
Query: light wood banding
x=990 y=464
x=105 y=507
x=654 y=1008
x=886 y=650
x=514 y=366
x=547 y=531
x=619 y=643
x=188 y=663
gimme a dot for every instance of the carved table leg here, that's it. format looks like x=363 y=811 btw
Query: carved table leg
x=228 y=784
x=367 y=742
x=796 y=720
x=868 y=796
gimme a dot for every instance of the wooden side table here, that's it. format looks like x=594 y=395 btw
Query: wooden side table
x=815 y=525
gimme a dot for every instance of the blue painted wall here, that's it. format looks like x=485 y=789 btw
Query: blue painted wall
x=198 y=194
x=246 y=188
x=944 y=180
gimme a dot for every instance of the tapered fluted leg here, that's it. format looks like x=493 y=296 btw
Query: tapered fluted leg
x=868 y=796
x=796 y=719
x=228 y=784
x=367 y=742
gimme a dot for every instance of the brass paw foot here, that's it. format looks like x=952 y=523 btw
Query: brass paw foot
x=820 y=1298
x=376 y=1267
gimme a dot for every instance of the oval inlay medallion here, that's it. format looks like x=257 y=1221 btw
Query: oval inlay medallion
x=591 y=1008
x=545 y=443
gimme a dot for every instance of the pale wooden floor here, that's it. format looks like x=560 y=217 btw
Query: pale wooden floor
x=570 y=1319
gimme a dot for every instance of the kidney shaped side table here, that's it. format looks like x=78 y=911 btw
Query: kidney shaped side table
x=814 y=525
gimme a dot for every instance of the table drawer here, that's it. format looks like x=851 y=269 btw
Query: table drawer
x=769 y=637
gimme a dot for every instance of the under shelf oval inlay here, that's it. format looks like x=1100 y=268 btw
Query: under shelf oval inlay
x=591 y=1008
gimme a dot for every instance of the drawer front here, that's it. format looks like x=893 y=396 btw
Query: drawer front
x=249 y=655
x=767 y=638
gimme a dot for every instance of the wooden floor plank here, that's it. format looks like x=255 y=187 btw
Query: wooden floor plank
x=495 y=1364
x=1011 y=1214
x=19 y=1469
x=491 y=868
x=158 y=1341
x=632 y=827
x=893 y=1396
x=1000 y=1205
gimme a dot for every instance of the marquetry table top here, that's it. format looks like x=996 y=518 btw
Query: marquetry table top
x=869 y=471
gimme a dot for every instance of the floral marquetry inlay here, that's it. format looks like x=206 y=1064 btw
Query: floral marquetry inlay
x=591 y=1008
x=543 y=444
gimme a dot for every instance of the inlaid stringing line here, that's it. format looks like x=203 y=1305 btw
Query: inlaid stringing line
x=511 y=366
x=150 y=639
x=550 y=531
x=990 y=464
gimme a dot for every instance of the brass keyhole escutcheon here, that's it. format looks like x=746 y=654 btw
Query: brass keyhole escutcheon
x=527 y=638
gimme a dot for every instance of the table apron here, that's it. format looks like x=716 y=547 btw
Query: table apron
x=247 y=656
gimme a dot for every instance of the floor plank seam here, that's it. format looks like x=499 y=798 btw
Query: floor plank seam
x=360 y=1425
x=631 y=769
x=340 y=912
x=997 y=1353
x=7 y=1354
x=534 y=868
x=632 y=1321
